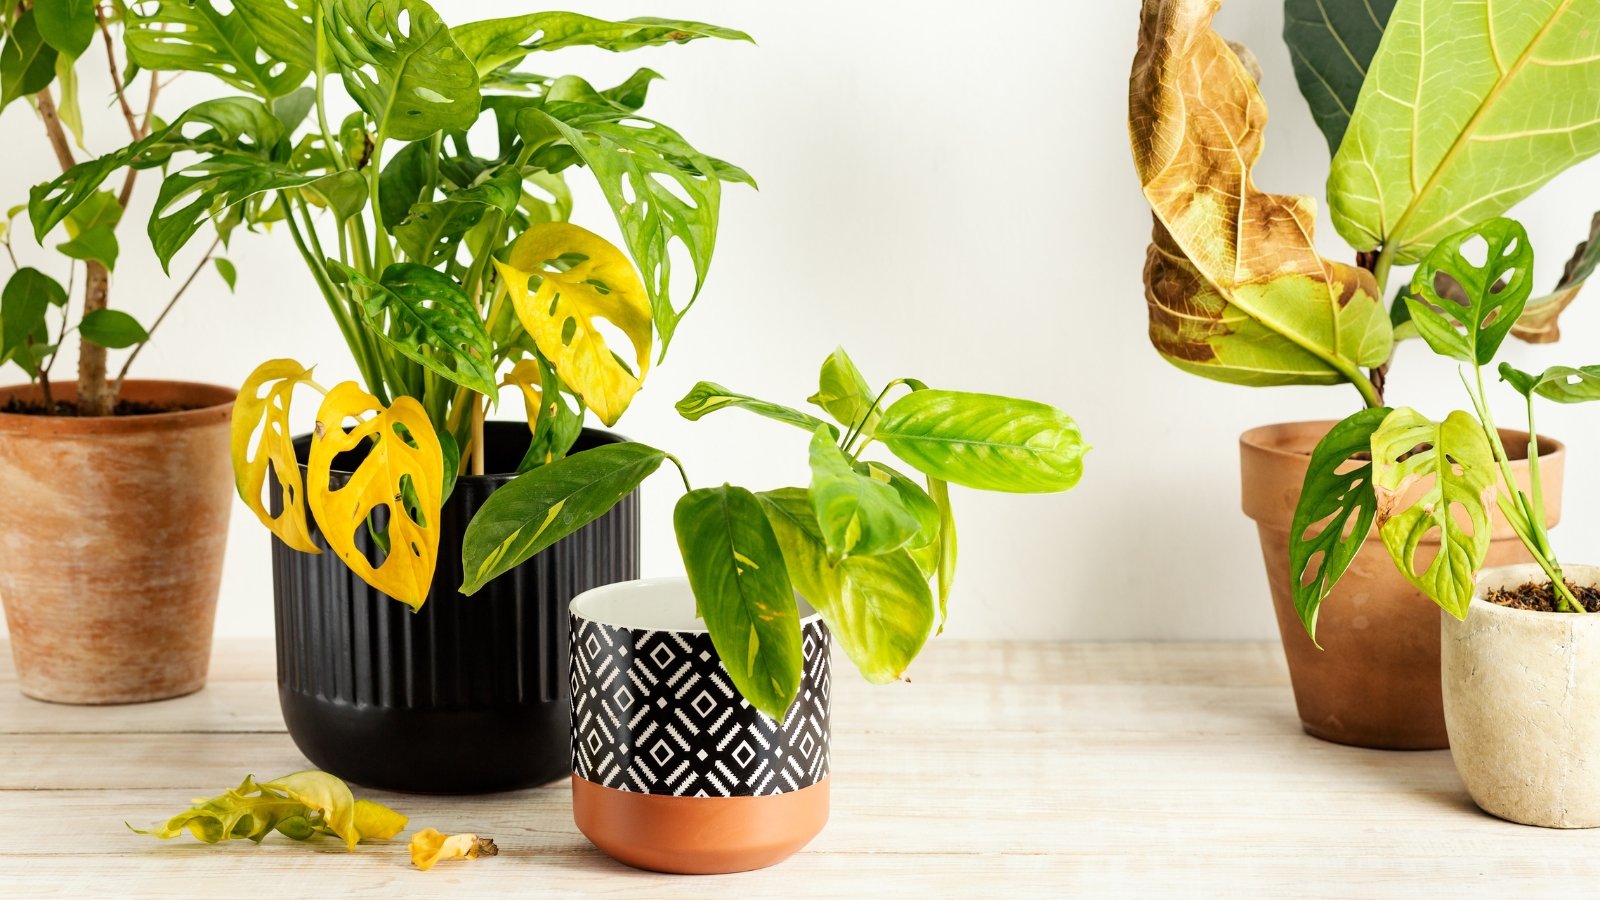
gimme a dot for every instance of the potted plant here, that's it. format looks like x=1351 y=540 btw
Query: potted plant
x=448 y=265
x=116 y=489
x=1518 y=695
x=700 y=720
x=1237 y=292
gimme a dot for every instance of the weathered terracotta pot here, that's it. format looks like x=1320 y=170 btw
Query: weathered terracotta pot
x=111 y=539
x=671 y=769
x=1375 y=683
x=1522 y=701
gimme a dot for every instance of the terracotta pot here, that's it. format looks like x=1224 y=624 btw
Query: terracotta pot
x=111 y=539
x=671 y=769
x=1375 y=683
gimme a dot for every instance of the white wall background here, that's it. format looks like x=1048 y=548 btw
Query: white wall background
x=946 y=191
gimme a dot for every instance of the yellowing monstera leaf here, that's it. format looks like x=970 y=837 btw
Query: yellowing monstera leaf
x=430 y=846
x=268 y=410
x=582 y=279
x=402 y=471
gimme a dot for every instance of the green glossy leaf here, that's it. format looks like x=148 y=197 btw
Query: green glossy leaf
x=1563 y=384
x=66 y=25
x=67 y=107
x=226 y=269
x=195 y=36
x=27 y=63
x=402 y=182
x=292 y=108
x=984 y=441
x=1445 y=474
x=924 y=544
x=879 y=608
x=27 y=297
x=1331 y=43
x=206 y=190
x=844 y=393
x=500 y=43
x=707 y=397
x=112 y=329
x=98 y=243
x=860 y=515
x=940 y=492
x=101 y=210
x=1470 y=320
x=1334 y=514
x=401 y=66
x=285 y=29
x=741 y=587
x=1467 y=109
x=424 y=315
x=560 y=421
x=431 y=233
x=540 y=507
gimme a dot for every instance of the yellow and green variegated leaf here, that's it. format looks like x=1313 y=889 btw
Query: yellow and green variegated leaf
x=1234 y=285
x=581 y=279
x=263 y=404
x=302 y=805
x=1435 y=484
x=401 y=479
x=1467 y=108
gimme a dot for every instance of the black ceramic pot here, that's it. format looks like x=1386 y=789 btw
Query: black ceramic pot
x=467 y=695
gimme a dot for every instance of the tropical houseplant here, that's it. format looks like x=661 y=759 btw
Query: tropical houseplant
x=729 y=660
x=133 y=468
x=446 y=261
x=1237 y=292
x=1518 y=695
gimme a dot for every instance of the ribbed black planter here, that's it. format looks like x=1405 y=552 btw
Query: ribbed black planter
x=467 y=695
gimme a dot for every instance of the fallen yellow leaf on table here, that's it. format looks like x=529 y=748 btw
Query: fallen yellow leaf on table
x=429 y=846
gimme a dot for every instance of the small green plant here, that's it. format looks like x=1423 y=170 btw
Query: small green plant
x=860 y=543
x=1423 y=482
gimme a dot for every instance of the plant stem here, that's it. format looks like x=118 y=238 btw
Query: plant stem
x=128 y=363
x=682 y=473
x=478 y=402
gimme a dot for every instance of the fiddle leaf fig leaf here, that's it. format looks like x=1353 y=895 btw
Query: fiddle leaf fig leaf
x=1233 y=283
x=424 y=315
x=741 y=587
x=844 y=393
x=401 y=66
x=112 y=329
x=402 y=475
x=27 y=62
x=1334 y=514
x=860 y=515
x=66 y=25
x=501 y=43
x=1331 y=43
x=195 y=36
x=1434 y=482
x=1563 y=384
x=263 y=403
x=1470 y=322
x=1539 y=323
x=984 y=441
x=707 y=397
x=1426 y=156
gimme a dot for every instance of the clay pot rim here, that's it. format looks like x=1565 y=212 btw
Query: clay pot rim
x=674 y=581
x=1519 y=573
x=1260 y=439
x=219 y=408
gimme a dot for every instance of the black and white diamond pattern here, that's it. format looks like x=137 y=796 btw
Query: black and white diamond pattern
x=655 y=712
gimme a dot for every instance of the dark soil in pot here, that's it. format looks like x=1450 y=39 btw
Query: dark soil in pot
x=467 y=695
x=1541 y=597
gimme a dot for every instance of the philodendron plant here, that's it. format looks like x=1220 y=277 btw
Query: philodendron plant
x=45 y=44
x=1438 y=115
x=860 y=543
x=448 y=267
x=1417 y=479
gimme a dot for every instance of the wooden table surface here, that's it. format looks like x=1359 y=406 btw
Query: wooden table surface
x=1004 y=769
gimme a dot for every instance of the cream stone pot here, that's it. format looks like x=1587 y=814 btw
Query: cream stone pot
x=1522 y=704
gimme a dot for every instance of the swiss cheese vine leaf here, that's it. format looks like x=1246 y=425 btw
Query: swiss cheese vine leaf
x=401 y=66
x=195 y=36
x=424 y=315
x=1470 y=321
x=263 y=404
x=503 y=43
x=1563 y=384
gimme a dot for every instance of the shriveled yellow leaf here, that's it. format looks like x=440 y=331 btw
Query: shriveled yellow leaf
x=404 y=451
x=301 y=806
x=561 y=314
x=268 y=409
x=430 y=846
x=324 y=795
x=525 y=375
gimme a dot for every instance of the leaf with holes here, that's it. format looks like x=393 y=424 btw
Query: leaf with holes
x=536 y=509
x=195 y=36
x=503 y=43
x=1334 y=514
x=285 y=29
x=741 y=588
x=432 y=231
x=844 y=393
x=27 y=63
x=424 y=316
x=402 y=456
x=563 y=312
x=401 y=66
x=1467 y=109
x=1539 y=322
x=556 y=423
x=1563 y=384
x=707 y=397
x=1331 y=43
x=860 y=514
x=1452 y=464
x=1469 y=324
x=263 y=403
x=984 y=441
x=204 y=190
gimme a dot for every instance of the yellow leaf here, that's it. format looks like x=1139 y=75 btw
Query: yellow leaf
x=561 y=313
x=322 y=793
x=270 y=412
x=376 y=821
x=429 y=846
x=525 y=375
x=401 y=449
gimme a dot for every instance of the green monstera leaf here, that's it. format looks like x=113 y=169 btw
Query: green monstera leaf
x=424 y=315
x=195 y=36
x=1563 y=384
x=1331 y=43
x=503 y=43
x=401 y=66
x=1469 y=320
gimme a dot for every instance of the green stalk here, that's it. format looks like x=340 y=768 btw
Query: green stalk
x=385 y=252
x=329 y=293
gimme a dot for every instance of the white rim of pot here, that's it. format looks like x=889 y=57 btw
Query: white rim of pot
x=653 y=604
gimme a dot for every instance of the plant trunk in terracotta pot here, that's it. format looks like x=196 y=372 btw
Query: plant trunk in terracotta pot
x=672 y=770
x=1522 y=702
x=1375 y=682
x=111 y=541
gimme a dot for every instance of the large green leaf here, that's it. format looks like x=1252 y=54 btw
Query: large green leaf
x=1469 y=320
x=924 y=544
x=27 y=297
x=706 y=397
x=112 y=329
x=27 y=63
x=1334 y=514
x=1453 y=465
x=207 y=189
x=1467 y=108
x=195 y=36
x=536 y=509
x=742 y=590
x=66 y=25
x=1563 y=384
x=860 y=515
x=879 y=608
x=400 y=65
x=984 y=441
x=503 y=43
x=844 y=393
x=1331 y=43
x=424 y=315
